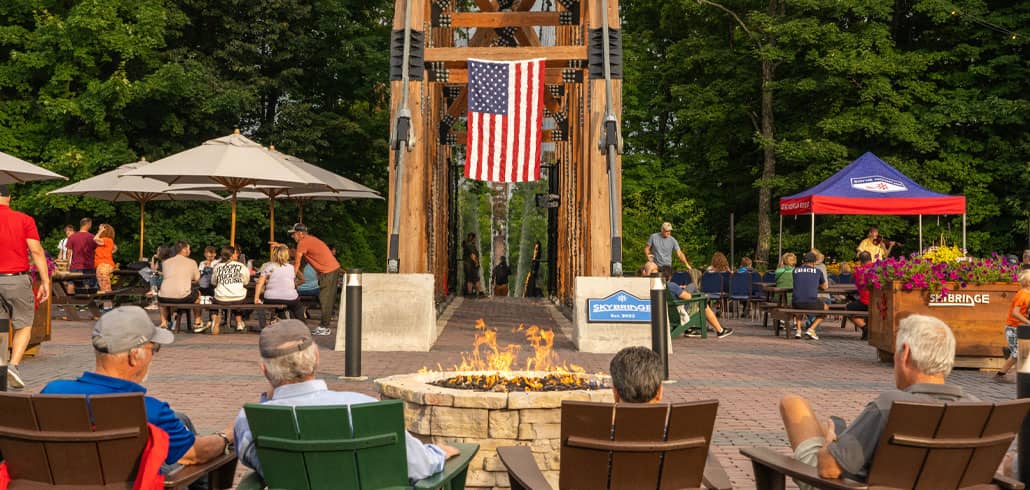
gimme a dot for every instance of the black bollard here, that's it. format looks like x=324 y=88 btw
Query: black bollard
x=660 y=324
x=5 y=327
x=352 y=347
x=1023 y=391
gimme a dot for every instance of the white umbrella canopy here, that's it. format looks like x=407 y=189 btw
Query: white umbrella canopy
x=116 y=186
x=232 y=161
x=15 y=170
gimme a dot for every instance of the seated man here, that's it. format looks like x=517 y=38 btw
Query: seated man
x=125 y=342
x=808 y=281
x=289 y=360
x=682 y=292
x=636 y=375
x=924 y=357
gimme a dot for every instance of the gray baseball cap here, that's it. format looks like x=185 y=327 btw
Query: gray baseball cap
x=285 y=337
x=125 y=328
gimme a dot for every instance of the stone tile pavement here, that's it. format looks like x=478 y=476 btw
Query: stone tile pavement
x=210 y=377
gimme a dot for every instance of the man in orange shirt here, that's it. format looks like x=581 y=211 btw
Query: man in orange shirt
x=325 y=264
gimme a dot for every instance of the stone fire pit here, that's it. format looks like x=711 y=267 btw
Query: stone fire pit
x=490 y=419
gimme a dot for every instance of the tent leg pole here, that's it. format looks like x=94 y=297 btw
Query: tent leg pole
x=920 y=233
x=812 y=239
x=964 y=249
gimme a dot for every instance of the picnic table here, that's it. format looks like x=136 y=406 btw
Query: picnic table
x=128 y=287
x=780 y=310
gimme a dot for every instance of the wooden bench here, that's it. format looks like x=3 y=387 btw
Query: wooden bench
x=792 y=314
x=192 y=309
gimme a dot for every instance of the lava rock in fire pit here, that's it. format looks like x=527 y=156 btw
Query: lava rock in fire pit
x=502 y=383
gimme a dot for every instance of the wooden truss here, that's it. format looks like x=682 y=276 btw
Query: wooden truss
x=575 y=101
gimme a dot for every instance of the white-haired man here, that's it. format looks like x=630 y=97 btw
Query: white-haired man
x=289 y=360
x=924 y=358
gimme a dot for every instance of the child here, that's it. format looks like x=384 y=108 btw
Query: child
x=204 y=284
x=745 y=266
x=1017 y=316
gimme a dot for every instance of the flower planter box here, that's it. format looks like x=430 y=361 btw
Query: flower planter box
x=976 y=314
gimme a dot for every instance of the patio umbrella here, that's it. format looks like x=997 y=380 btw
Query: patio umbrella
x=233 y=162
x=15 y=170
x=115 y=186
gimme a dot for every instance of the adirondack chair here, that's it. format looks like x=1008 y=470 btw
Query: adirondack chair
x=314 y=447
x=657 y=445
x=925 y=446
x=51 y=441
x=695 y=309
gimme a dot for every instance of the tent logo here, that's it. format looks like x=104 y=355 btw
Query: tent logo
x=878 y=183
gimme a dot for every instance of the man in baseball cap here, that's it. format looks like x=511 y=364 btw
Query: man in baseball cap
x=125 y=342
x=289 y=361
x=660 y=247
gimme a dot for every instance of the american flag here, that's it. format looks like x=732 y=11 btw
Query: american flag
x=506 y=111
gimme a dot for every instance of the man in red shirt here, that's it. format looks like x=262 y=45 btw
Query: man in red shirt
x=865 y=261
x=317 y=253
x=18 y=239
x=83 y=246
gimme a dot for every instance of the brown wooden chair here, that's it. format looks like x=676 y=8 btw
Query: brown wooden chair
x=924 y=446
x=658 y=445
x=51 y=441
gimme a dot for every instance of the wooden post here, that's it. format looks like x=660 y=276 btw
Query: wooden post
x=412 y=250
x=596 y=199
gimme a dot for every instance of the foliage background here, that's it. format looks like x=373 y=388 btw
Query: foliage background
x=937 y=88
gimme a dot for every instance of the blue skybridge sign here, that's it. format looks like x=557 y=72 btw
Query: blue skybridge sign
x=620 y=307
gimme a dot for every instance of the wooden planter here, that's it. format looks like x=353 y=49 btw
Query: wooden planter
x=976 y=314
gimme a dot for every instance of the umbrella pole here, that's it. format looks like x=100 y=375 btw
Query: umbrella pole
x=300 y=212
x=142 y=204
x=232 y=225
x=271 y=225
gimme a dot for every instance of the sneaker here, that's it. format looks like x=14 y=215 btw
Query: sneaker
x=322 y=331
x=1001 y=377
x=811 y=334
x=726 y=332
x=14 y=377
x=202 y=327
x=151 y=306
x=240 y=326
x=693 y=333
x=797 y=334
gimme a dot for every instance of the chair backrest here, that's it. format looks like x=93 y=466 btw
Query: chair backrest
x=682 y=278
x=726 y=281
x=635 y=445
x=757 y=292
x=740 y=285
x=769 y=276
x=711 y=283
x=951 y=445
x=833 y=278
x=338 y=446
x=846 y=278
x=53 y=441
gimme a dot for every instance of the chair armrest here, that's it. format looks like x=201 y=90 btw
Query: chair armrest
x=251 y=481
x=786 y=465
x=522 y=468
x=1007 y=482
x=715 y=476
x=453 y=468
x=222 y=470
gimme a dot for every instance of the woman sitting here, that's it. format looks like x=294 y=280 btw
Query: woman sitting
x=276 y=284
x=719 y=263
x=230 y=278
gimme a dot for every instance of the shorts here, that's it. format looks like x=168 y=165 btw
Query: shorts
x=17 y=301
x=816 y=305
x=857 y=306
x=190 y=298
x=1010 y=336
x=808 y=453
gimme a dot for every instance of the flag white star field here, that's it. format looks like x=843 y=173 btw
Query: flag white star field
x=505 y=119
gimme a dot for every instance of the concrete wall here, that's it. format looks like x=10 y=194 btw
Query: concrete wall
x=398 y=313
x=608 y=338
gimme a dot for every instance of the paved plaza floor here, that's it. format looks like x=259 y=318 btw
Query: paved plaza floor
x=210 y=377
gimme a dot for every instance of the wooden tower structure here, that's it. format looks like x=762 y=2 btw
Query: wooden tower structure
x=429 y=144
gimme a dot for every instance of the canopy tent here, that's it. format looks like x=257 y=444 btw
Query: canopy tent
x=871 y=186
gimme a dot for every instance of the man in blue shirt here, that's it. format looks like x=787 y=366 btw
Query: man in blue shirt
x=289 y=360
x=125 y=342
x=683 y=292
x=808 y=281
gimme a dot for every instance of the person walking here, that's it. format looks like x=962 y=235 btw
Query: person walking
x=18 y=231
x=317 y=253
x=661 y=245
x=83 y=245
x=500 y=277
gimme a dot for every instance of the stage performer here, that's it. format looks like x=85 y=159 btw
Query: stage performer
x=18 y=231
x=877 y=246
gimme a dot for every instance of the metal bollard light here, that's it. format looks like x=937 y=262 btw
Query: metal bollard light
x=352 y=346
x=659 y=324
x=1023 y=391
x=5 y=327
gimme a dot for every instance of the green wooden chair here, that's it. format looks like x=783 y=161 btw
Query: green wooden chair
x=695 y=308
x=303 y=448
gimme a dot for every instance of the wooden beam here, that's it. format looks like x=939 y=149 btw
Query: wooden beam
x=551 y=53
x=461 y=75
x=504 y=19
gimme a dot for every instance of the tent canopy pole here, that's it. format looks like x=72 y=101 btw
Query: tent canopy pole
x=812 y=239
x=964 y=249
x=920 y=233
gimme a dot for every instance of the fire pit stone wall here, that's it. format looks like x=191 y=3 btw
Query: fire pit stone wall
x=490 y=419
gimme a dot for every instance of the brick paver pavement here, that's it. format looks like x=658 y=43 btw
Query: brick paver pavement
x=210 y=377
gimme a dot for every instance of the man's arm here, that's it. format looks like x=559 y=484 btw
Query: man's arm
x=206 y=448
x=296 y=264
x=426 y=459
x=683 y=257
x=39 y=260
